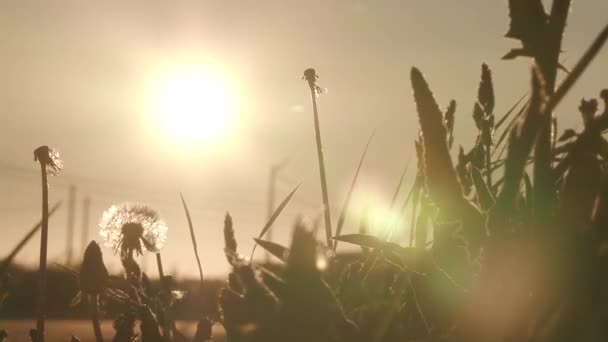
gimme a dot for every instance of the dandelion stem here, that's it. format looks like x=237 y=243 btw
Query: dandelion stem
x=326 y=211
x=167 y=291
x=159 y=263
x=41 y=296
x=94 y=306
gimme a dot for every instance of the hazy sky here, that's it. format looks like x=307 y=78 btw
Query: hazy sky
x=77 y=76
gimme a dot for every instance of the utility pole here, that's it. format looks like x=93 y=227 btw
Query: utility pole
x=274 y=170
x=69 y=247
x=84 y=234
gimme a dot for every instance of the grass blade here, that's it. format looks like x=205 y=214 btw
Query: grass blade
x=398 y=189
x=506 y=131
x=484 y=195
x=193 y=238
x=521 y=142
x=7 y=261
x=273 y=217
x=346 y=205
x=509 y=112
x=279 y=251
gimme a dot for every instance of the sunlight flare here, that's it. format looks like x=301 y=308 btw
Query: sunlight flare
x=195 y=106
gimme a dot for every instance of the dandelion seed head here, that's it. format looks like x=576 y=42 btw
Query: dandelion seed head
x=49 y=157
x=132 y=227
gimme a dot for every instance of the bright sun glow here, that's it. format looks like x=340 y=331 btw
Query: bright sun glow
x=195 y=106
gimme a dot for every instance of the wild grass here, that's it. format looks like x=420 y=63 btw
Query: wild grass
x=506 y=243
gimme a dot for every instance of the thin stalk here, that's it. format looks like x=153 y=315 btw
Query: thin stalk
x=193 y=238
x=349 y=195
x=488 y=166
x=326 y=211
x=6 y=262
x=94 y=306
x=159 y=264
x=548 y=61
x=44 y=236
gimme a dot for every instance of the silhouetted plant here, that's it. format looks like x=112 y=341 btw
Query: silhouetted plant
x=50 y=164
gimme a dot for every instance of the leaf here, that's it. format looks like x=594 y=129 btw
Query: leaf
x=528 y=18
x=363 y=240
x=346 y=205
x=368 y=241
x=486 y=200
x=279 y=251
x=440 y=176
x=567 y=135
x=193 y=238
x=274 y=216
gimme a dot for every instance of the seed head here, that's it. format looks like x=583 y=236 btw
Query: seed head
x=49 y=159
x=310 y=75
x=132 y=227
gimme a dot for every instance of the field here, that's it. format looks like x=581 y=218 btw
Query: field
x=507 y=237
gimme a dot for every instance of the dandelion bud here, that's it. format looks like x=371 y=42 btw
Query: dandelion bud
x=93 y=273
x=49 y=159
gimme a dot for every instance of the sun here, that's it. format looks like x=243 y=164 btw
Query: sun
x=195 y=106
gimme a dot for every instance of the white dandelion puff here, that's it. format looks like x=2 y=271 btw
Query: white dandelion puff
x=132 y=227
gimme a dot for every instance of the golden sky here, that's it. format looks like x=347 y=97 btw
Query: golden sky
x=82 y=77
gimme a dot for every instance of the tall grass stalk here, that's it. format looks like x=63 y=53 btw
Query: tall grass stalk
x=350 y=192
x=41 y=295
x=193 y=238
x=311 y=77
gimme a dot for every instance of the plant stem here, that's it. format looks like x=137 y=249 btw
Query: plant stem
x=41 y=295
x=548 y=61
x=159 y=263
x=94 y=306
x=328 y=231
x=489 y=168
x=165 y=293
